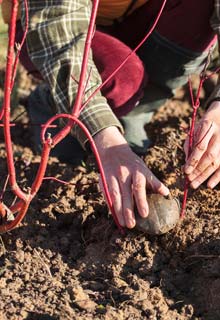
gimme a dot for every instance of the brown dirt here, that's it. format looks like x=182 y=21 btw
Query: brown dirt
x=67 y=260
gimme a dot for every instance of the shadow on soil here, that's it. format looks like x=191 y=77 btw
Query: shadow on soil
x=134 y=270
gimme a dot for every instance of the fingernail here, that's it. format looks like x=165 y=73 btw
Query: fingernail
x=188 y=169
x=145 y=212
x=191 y=177
x=195 y=184
x=211 y=185
x=131 y=223
x=166 y=192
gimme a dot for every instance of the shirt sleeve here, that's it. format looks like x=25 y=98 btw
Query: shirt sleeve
x=55 y=41
x=215 y=23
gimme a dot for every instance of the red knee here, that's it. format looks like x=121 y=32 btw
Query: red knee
x=126 y=87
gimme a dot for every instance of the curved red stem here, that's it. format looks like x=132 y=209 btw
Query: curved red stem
x=22 y=205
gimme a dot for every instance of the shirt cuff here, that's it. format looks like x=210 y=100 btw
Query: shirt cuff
x=102 y=119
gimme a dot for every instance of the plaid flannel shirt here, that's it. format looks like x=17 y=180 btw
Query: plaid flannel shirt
x=55 y=40
x=56 y=37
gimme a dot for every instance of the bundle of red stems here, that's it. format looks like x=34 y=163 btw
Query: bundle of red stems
x=20 y=207
x=195 y=105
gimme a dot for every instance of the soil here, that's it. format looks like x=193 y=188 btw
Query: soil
x=67 y=260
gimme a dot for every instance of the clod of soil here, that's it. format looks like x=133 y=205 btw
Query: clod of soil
x=164 y=213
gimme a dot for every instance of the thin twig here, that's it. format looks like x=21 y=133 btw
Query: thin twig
x=3 y=245
x=43 y=262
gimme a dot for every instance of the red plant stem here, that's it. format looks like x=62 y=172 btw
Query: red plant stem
x=90 y=34
x=195 y=108
x=77 y=109
x=195 y=104
x=204 y=135
x=42 y=168
x=17 y=206
x=22 y=205
x=18 y=54
x=87 y=81
x=13 y=124
x=78 y=102
x=129 y=55
x=20 y=45
x=6 y=103
x=79 y=97
x=3 y=211
x=95 y=151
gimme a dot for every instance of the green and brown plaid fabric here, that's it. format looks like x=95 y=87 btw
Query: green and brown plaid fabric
x=55 y=40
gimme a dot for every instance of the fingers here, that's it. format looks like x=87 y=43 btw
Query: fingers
x=204 y=176
x=125 y=186
x=140 y=181
x=139 y=191
x=214 y=180
x=155 y=184
x=208 y=164
x=127 y=177
x=124 y=179
x=204 y=133
x=121 y=196
x=115 y=194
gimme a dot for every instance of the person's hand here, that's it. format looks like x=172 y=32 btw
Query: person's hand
x=204 y=161
x=127 y=176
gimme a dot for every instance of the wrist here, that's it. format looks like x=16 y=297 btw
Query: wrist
x=213 y=112
x=109 y=137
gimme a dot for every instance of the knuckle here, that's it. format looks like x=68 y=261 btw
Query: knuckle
x=201 y=147
x=120 y=173
x=138 y=185
x=127 y=212
x=212 y=156
x=194 y=162
x=199 y=180
x=115 y=194
x=197 y=172
x=207 y=122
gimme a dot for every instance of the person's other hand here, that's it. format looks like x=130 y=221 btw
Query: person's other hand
x=127 y=176
x=204 y=161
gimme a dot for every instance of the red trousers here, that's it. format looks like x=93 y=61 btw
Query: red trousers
x=125 y=89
